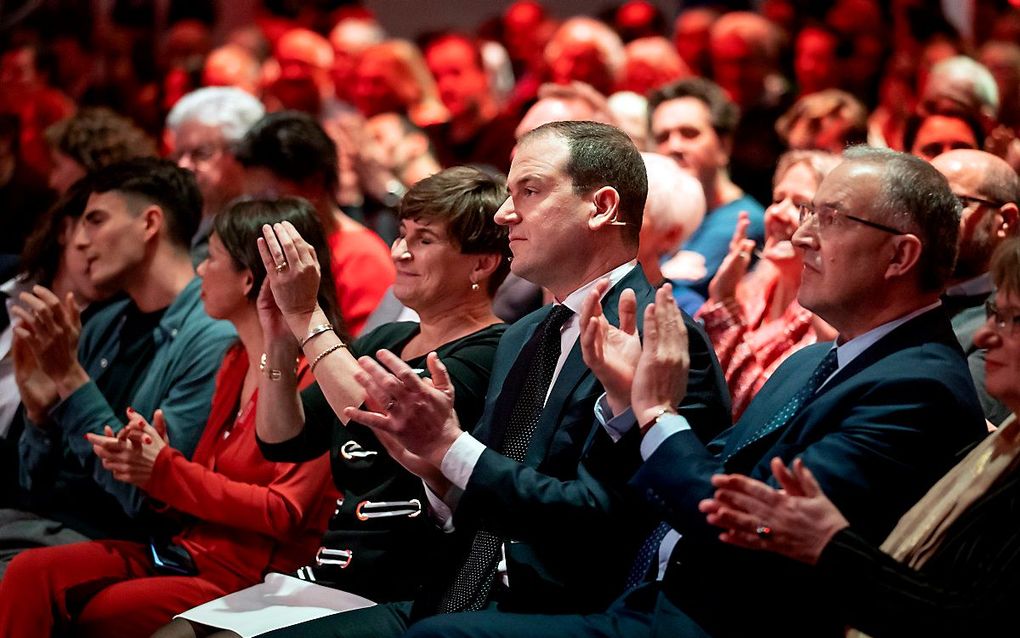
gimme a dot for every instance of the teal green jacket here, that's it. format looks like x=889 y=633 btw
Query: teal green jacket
x=58 y=461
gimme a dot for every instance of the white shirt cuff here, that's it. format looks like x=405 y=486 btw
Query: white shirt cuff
x=667 y=426
x=460 y=460
x=441 y=513
x=615 y=426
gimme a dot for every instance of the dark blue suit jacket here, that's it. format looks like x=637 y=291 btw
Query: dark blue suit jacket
x=566 y=552
x=876 y=437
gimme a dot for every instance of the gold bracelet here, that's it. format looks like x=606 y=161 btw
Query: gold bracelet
x=272 y=373
x=315 y=332
x=332 y=348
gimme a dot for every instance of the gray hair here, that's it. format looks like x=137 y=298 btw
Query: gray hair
x=982 y=82
x=230 y=109
x=915 y=196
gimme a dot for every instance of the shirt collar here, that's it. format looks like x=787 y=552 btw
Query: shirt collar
x=853 y=348
x=575 y=300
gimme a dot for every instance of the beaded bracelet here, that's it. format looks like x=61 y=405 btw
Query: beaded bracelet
x=332 y=348
x=315 y=332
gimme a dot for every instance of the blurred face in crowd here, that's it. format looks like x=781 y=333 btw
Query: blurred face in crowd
x=580 y=59
x=525 y=30
x=941 y=133
x=682 y=129
x=814 y=61
x=546 y=219
x=984 y=222
x=17 y=69
x=738 y=69
x=794 y=189
x=1002 y=348
x=462 y=83
x=691 y=37
x=201 y=149
x=375 y=86
x=224 y=286
x=65 y=172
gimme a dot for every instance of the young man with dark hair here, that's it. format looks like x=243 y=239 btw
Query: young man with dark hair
x=157 y=349
x=288 y=153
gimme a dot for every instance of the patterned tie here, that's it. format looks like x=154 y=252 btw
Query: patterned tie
x=825 y=368
x=472 y=584
x=647 y=555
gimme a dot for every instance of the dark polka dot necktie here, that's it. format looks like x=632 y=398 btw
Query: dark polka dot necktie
x=473 y=582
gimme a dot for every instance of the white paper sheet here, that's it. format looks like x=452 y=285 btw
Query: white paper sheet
x=279 y=601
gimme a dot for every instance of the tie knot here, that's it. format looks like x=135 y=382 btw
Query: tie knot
x=826 y=367
x=558 y=316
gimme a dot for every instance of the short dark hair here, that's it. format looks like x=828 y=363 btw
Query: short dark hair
x=603 y=155
x=465 y=199
x=240 y=226
x=96 y=137
x=913 y=126
x=915 y=195
x=723 y=112
x=160 y=182
x=293 y=146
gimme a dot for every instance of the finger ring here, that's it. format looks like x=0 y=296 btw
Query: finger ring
x=389 y=406
x=764 y=532
x=745 y=255
x=281 y=267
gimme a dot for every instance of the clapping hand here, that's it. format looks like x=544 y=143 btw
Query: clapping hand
x=37 y=391
x=797 y=521
x=723 y=286
x=292 y=270
x=660 y=378
x=131 y=453
x=50 y=328
x=610 y=352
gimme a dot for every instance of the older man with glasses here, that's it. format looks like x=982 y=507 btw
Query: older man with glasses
x=987 y=189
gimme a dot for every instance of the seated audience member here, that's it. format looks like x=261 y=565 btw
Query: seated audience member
x=816 y=60
x=202 y=130
x=157 y=349
x=859 y=415
x=572 y=102
x=49 y=259
x=949 y=568
x=754 y=319
x=451 y=256
x=232 y=65
x=744 y=51
x=927 y=136
x=691 y=33
x=630 y=112
x=674 y=209
x=89 y=140
x=476 y=133
x=585 y=50
x=304 y=55
x=242 y=515
x=987 y=189
x=521 y=485
x=391 y=77
x=960 y=85
x=350 y=36
x=24 y=194
x=693 y=122
x=829 y=120
x=651 y=62
x=288 y=153
x=1002 y=59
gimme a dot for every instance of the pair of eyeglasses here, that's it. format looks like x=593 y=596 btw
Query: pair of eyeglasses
x=828 y=216
x=968 y=200
x=1004 y=324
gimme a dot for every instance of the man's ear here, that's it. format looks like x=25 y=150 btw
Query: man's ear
x=906 y=253
x=153 y=219
x=1010 y=216
x=605 y=208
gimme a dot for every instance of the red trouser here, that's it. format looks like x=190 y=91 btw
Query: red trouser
x=101 y=588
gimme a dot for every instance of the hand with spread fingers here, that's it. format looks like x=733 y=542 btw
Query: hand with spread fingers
x=50 y=328
x=610 y=352
x=292 y=270
x=415 y=414
x=131 y=453
x=797 y=521
x=660 y=378
x=37 y=391
x=723 y=286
